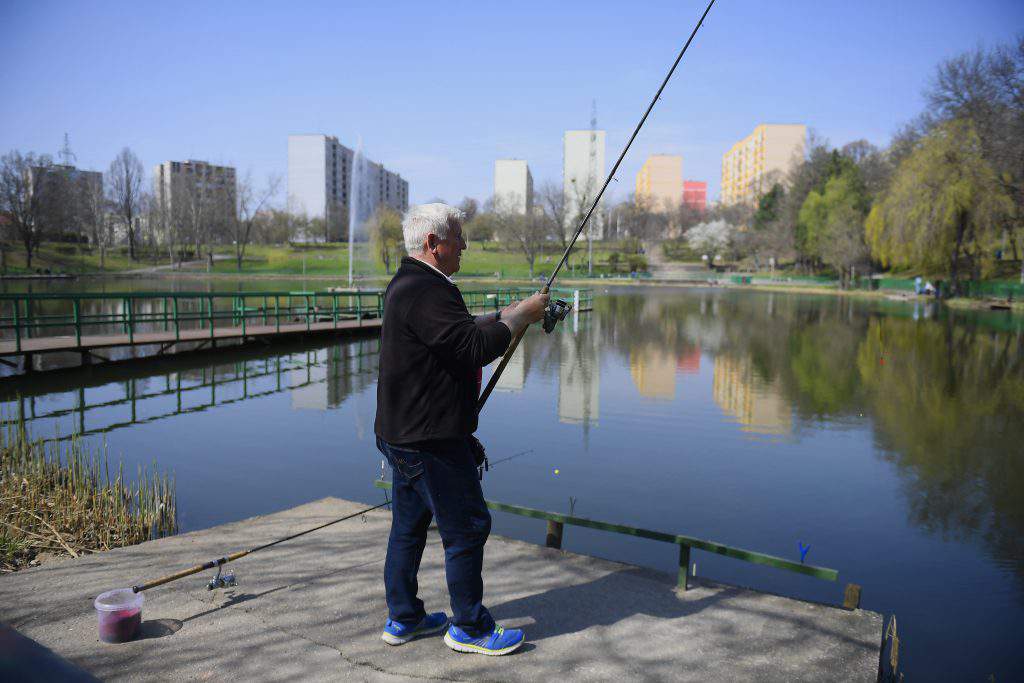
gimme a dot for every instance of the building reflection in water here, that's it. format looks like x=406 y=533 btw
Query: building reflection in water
x=514 y=376
x=654 y=372
x=579 y=375
x=758 y=406
x=331 y=375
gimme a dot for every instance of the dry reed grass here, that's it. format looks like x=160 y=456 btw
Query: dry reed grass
x=61 y=499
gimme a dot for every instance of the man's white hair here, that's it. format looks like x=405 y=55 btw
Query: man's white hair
x=424 y=219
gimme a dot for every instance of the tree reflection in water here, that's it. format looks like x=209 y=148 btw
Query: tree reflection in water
x=944 y=395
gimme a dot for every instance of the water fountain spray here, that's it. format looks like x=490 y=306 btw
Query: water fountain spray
x=355 y=203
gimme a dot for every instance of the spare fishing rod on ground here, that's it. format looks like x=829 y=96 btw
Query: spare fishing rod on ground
x=120 y=610
x=558 y=309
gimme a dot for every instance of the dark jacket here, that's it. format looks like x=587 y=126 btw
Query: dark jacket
x=430 y=351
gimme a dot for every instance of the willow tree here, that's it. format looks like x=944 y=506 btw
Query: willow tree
x=943 y=208
x=386 y=237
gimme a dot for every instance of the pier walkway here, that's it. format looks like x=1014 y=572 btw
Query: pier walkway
x=313 y=608
x=157 y=323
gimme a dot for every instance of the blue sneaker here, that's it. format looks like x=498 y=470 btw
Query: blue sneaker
x=397 y=634
x=500 y=641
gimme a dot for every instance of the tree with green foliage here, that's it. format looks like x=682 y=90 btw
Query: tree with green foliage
x=386 y=236
x=831 y=222
x=945 y=205
x=768 y=207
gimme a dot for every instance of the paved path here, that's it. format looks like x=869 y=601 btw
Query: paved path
x=312 y=609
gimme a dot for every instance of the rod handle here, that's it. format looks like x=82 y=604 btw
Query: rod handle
x=189 y=572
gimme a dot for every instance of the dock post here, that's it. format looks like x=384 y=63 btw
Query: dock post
x=851 y=597
x=554 y=537
x=684 y=566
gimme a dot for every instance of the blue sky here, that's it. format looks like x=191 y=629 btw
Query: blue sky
x=437 y=91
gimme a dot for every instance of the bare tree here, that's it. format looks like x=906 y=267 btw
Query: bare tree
x=125 y=179
x=469 y=207
x=251 y=201
x=19 y=200
x=528 y=231
x=551 y=199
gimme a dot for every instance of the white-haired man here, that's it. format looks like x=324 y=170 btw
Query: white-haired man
x=431 y=353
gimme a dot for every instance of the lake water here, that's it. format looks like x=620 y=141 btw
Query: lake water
x=887 y=436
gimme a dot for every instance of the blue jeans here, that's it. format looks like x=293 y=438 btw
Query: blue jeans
x=437 y=480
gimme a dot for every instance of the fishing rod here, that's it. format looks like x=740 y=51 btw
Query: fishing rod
x=228 y=580
x=220 y=581
x=557 y=310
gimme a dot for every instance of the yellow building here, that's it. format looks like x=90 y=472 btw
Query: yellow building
x=660 y=181
x=761 y=159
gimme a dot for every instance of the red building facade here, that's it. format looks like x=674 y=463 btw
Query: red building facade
x=695 y=194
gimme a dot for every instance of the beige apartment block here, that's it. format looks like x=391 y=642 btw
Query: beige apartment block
x=660 y=182
x=195 y=188
x=756 y=162
x=513 y=185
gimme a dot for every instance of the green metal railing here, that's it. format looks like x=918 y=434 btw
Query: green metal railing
x=493 y=299
x=557 y=521
x=27 y=316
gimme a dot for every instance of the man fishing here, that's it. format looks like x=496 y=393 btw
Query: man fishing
x=431 y=351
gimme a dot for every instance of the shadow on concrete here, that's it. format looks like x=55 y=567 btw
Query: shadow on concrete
x=159 y=628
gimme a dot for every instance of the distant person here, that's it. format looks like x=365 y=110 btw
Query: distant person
x=431 y=352
x=929 y=288
x=917 y=285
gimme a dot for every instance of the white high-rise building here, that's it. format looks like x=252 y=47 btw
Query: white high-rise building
x=513 y=185
x=320 y=182
x=582 y=175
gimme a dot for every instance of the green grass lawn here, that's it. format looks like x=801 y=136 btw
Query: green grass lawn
x=73 y=258
x=481 y=259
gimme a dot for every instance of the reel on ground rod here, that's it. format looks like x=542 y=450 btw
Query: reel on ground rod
x=222 y=580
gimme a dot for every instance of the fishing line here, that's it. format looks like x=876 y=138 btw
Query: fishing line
x=565 y=256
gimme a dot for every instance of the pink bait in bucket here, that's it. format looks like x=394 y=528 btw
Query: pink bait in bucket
x=120 y=615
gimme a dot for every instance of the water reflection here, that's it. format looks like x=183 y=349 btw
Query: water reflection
x=758 y=406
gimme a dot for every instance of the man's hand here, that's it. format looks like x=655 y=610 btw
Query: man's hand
x=525 y=312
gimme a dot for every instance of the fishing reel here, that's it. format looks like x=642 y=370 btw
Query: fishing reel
x=222 y=580
x=557 y=310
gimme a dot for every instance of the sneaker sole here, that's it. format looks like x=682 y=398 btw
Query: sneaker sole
x=402 y=640
x=476 y=649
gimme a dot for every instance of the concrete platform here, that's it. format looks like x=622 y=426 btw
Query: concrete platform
x=312 y=609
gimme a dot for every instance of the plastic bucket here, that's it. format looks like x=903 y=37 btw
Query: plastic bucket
x=120 y=615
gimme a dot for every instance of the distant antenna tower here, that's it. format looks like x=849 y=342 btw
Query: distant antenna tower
x=592 y=183
x=65 y=153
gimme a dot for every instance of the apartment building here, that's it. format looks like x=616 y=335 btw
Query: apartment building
x=321 y=171
x=695 y=194
x=755 y=163
x=582 y=175
x=660 y=182
x=181 y=188
x=513 y=185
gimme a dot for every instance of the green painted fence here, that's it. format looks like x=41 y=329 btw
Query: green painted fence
x=685 y=543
